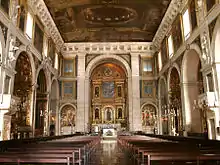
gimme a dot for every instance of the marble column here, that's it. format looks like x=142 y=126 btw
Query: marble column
x=135 y=76
x=80 y=115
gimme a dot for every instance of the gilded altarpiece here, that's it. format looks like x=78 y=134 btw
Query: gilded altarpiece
x=109 y=96
x=67 y=119
x=149 y=118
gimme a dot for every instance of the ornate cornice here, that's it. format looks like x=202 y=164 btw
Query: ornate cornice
x=174 y=8
x=41 y=10
x=71 y=49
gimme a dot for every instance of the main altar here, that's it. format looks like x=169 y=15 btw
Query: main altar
x=109 y=111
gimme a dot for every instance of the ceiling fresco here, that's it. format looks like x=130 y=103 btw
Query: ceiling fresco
x=107 y=20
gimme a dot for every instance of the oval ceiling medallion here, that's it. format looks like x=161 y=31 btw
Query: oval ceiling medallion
x=109 y=14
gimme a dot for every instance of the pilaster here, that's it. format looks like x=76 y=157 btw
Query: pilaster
x=136 y=110
x=192 y=115
x=80 y=116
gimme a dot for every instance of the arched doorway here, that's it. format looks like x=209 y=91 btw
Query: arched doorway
x=41 y=113
x=67 y=119
x=53 y=108
x=192 y=88
x=163 y=107
x=149 y=118
x=109 y=97
x=174 y=110
x=20 y=121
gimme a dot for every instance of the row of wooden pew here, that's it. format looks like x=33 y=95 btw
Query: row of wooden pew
x=70 y=150
x=149 y=150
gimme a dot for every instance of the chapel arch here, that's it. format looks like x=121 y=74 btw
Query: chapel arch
x=41 y=110
x=173 y=110
x=192 y=88
x=67 y=119
x=149 y=118
x=22 y=91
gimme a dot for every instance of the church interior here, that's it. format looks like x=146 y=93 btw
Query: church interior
x=111 y=69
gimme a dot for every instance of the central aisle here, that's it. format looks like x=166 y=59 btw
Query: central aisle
x=110 y=153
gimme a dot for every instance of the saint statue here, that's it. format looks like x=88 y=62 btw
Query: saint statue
x=120 y=113
x=96 y=91
x=96 y=113
x=109 y=115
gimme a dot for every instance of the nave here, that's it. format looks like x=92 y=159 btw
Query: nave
x=123 y=150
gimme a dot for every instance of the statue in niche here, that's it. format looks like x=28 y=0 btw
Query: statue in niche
x=96 y=91
x=109 y=115
x=96 y=113
x=204 y=45
x=120 y=113
x=119 y=91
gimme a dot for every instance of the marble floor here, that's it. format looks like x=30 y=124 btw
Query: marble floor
x=110 y=153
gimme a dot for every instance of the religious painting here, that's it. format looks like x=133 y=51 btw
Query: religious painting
x=68 y=116
x=68 y=67
x=164 y=51
x=192 y=10
x=38 y=38
x=68 y=88
x=147 y=88
x=108 y=89
x=149 y=115
x=177 y=34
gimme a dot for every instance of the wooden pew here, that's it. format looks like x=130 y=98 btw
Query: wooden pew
x=65 y=151
x=145 y=150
